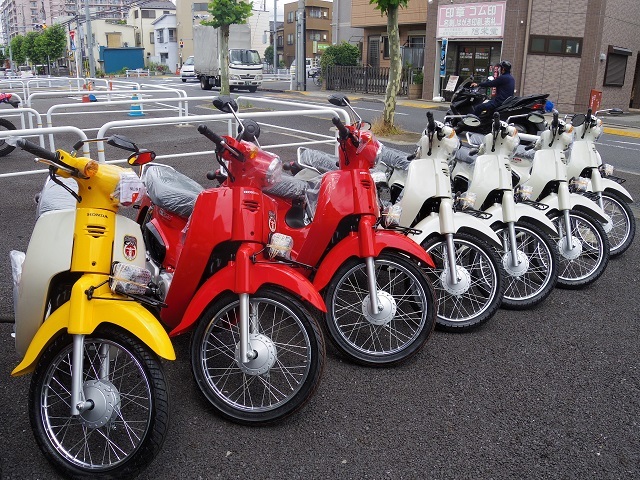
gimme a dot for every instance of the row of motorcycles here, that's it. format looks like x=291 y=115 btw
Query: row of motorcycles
x=259 y=268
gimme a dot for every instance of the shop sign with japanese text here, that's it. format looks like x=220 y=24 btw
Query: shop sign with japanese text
x=471 y=20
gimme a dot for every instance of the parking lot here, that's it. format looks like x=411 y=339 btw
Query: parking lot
x=553 y=392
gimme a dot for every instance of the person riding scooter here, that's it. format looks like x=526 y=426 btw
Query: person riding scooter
x=505 y=87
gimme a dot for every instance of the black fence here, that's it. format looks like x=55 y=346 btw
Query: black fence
x=364 y=79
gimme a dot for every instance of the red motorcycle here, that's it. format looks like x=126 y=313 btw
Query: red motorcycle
x=256 y=352
x=380 y=306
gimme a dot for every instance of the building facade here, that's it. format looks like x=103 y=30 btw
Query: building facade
x=319 y=17
x=165 y=48
x=411 y=23
x=569 y=50
x=142 y=19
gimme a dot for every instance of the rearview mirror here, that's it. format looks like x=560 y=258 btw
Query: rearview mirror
x=578 y=119
x=471 y=121
x=225 y=104
x=535 y=117
x=339 y=100
x=250 y=130
x=120 y=141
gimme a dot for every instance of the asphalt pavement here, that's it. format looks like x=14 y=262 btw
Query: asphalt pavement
x=551 y=392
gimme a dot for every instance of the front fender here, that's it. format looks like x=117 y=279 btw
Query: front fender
x=350 y=247
x=259 y=275
x=580 y=203
x=525 y=213
x=129 y=316
x=610 y=185
x=463 y=223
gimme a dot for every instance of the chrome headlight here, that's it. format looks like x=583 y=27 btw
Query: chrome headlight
x=258 y=77
x=606 y=169
x=234 y=77
x=578 y=184
x=523 y=192
x=274 y=172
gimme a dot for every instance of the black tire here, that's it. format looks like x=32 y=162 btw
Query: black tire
x=5 y=148
x=482 y=284
x=69 y=443
x=204 y=83
x=594 y=254
x=399 y=337
x=184 y=79
x=295 y=346
x=253 y=89
x=526 y=289
x=623 y=223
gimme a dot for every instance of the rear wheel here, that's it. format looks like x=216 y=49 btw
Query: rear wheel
x=124 y=430
x=582 y=262
x=5 y=148
x=621 y=228
x=286 y=371
x=253 y=89
x=478 y=293
x=403 y=324
x=184 y=79
x=204 y=83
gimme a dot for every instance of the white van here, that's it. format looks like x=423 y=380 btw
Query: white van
x=188 y=69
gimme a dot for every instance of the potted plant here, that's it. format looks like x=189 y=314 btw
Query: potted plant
x=415 y=87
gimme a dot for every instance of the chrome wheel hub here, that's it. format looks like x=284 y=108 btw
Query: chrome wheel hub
x=266 y=355
x=515 y=270
x=387 y=310
x=464 y=281
x=570 y=254
x=106 y=403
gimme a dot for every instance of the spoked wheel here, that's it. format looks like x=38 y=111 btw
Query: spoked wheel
x=127 y=425
x=588 y=256
x=478 y=292
x=284 y=375
x=621 y=228
x=406 y=318
x=535 y=276
x=5 y=148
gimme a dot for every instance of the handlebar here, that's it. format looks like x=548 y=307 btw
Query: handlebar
x=344 y=132
x=220 y=142
x=37 y=150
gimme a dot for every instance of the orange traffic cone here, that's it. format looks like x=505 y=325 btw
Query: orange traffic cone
x=85 y=97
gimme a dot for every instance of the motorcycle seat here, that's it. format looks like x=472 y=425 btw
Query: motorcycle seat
x=394 y=158
x=463 y=155
x=522 y=153
x=288 y=187
x=171 y=190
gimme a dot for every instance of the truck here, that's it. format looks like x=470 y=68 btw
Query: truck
x=245 y=65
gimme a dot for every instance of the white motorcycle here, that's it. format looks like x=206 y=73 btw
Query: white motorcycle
x=584 y=253
x=528 y=255
x=606 y=190
x=468 y=277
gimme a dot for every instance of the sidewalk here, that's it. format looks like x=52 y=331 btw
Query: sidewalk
x=626 y=124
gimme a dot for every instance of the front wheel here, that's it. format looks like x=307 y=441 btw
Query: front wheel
x=284 y=375
x=621 y=227
x=477 y=292
x=253 y=89
x=406 y=318
x=184 y=79
x=586 y=258
x=5 y=148
x=533 y=278
x=127 y=425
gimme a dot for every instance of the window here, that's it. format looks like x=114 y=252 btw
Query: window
x=290 y=39
x=314 y=12
x=135 y=14
x=616 y=66
x=200 y=7
x=314 y=35
x=280 y=41
x=541 y=45
x=160 y=36
x=290 y=17
x=385 y=47
x=148 y=14
x=172 y=35
x=138 y=39
x=152 y=37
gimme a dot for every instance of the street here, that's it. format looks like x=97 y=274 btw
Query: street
x=552 y=392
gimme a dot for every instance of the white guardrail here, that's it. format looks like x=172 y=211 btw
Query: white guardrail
x=294 y=109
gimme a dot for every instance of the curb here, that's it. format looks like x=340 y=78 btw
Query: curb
x=622 y=132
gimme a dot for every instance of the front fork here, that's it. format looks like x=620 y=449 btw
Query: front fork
x=509 y=217
x=247 y=353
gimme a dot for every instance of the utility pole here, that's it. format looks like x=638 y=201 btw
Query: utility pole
x=92 y=67
x=275 y=37
x=301 y=54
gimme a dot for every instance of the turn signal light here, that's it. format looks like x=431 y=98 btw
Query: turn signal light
x=91 y=168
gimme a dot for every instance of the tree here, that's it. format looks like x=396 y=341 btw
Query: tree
x=16 y=50
x=52 y=42
x=341 y=54
x=225 y=13
x=390 y=8
x=30 y=48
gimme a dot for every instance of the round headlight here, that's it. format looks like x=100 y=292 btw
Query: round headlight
x=234 y=77
x=274 y=172
x=258 y=77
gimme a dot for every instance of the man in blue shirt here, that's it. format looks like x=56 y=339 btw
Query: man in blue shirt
x=505 y=85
